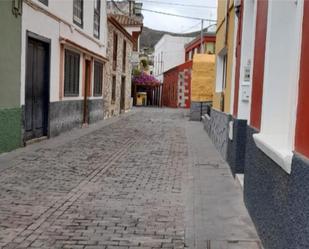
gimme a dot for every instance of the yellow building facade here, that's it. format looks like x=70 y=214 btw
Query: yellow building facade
x=225 y=39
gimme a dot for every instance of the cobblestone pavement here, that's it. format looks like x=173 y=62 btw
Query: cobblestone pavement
x=120 y=186
x=124 y=185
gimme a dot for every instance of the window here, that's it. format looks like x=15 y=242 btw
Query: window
x=96 y=18
x=115 y=51
x=210 y=48
x=97 y=78
x=78 y=12
x=44 y=2
x=114 y=89
x=221 y=72
x=124 y=56
x=71 y=74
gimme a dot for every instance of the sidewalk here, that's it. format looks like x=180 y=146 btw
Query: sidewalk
x=216 y=217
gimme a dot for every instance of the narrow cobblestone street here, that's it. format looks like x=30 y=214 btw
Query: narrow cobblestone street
x=129 y=183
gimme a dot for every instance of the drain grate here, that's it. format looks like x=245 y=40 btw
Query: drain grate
x=208 y=165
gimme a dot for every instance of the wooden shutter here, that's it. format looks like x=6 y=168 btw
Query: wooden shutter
x=71 y=73
x=98 y=78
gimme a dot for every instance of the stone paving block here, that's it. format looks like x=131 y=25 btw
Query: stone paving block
x=121 y=186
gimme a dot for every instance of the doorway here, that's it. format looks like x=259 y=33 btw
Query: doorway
x=36 y=89
x=123 y=94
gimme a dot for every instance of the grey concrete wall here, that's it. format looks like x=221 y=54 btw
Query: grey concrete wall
x=64 y=116
x=217 y=128
x=198 y=109
x=237 y=147
x=96 y=111
x=277 y=201
x=207 y=123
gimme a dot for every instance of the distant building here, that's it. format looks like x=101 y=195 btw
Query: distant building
x=168 y=53
x=129 y=15
x=177 y=86
x=128 y=8
x=194 y=47
x=117 y=90
x=177 y=81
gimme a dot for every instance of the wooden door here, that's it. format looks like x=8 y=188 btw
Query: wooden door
x=37 y=89
x=123 y=94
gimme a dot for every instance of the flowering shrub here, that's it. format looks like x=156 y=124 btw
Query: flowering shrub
x=145 y=79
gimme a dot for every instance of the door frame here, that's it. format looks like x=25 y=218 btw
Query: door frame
x=87 y=89
x=123 y=94
x=47 y=41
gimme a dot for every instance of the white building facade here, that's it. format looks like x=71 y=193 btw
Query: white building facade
x=168 y=53
x=63 y=57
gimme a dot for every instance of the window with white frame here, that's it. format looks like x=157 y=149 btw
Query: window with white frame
x=221 y=68
x=282 y=56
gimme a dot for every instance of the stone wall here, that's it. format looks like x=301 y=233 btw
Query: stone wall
x=217 y=127
x=198 y=109
x=113 y=108
x=277 y=201
x=66 y=115
x=96 y=110
x=237 y=146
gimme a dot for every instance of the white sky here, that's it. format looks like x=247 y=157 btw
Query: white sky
x=176 y=24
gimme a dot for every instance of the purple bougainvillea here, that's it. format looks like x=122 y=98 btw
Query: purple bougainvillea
x=145 y=79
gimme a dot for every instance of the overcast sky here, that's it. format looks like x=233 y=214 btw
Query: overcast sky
x=176 y=24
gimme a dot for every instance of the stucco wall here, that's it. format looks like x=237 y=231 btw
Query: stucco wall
x=10 y=28
x=10 y=49
x=113 y=109
x=169 y=52
x=177 y=86
x=226 y=42
x=302 y=131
